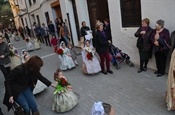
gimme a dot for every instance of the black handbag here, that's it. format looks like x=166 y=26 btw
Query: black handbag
x=17 y=109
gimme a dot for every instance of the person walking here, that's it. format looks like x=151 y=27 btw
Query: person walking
x=20 y=83
x=102 y=48
x=144 y=44
x=4 y=57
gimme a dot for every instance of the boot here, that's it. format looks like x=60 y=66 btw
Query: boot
x=36 y=113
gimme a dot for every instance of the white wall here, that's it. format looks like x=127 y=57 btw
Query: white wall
x=66 y=7
x=82 y=11
x=154 y=10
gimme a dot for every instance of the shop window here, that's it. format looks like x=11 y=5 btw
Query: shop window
x=130 y=13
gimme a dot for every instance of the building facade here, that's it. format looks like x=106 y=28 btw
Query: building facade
x=125 y=17
x=39 y=11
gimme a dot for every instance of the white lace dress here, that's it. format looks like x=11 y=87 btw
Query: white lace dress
x=66 y=62
x=90 y=66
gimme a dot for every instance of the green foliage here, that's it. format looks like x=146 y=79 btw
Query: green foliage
x=5 y=13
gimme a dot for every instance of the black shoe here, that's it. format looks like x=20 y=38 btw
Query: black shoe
x=145 y=69
x=109 y=71
x=104 y=72
x=140 y=70
x=156 y=72
x=159 y=75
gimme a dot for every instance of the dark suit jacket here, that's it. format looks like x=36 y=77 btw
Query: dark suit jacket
x=100 y=43
x=18 y=80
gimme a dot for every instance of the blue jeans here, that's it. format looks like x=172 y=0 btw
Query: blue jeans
x=27 y=101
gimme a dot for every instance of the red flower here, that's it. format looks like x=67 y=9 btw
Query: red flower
x=60 y=51
x=89 y=56
x=63 y=82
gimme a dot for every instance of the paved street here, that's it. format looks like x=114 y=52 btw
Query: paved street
x=129 y=92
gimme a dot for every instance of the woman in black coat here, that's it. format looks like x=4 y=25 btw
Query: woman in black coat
x=102 y=46
x=20 y=83
x=144 y=44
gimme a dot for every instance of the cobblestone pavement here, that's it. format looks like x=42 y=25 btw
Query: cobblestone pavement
x=129 y=92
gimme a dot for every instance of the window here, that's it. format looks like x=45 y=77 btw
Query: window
x=30 y=3
x=38 y=20
x=22 y=21
x=47 y=17
x=34 y=1
x=130 y=13
x=26 y=22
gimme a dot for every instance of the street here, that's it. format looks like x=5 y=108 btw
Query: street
x=129 y=92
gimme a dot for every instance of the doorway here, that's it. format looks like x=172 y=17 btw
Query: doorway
x=98 y=9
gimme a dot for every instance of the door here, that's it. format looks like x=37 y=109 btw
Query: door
x=98 y=10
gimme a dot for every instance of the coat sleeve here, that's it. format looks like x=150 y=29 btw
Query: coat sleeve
x=7 y=52
x=44 y=80
x=137 y=34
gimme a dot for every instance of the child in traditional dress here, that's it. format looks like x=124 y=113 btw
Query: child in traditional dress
x=101 y=108
x=73 y=53
x=24 y=56
x=66 y=61
x=54 y=43
x=64 y=98
x=30 y=46
x=15 y=56
x=91 y=64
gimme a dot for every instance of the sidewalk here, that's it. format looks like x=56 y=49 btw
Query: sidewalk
x=130 y=93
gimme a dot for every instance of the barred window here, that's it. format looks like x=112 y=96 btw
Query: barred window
x=130 y=13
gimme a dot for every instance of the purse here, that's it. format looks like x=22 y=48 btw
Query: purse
x=17 y=109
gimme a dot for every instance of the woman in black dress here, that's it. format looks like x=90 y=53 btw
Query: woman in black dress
x=144 y=44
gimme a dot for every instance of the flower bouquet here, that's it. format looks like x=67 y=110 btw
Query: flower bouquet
x=60 y=51
x=61 y=86
x=89 y=55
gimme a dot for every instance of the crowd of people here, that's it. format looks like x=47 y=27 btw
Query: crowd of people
x=25 y=69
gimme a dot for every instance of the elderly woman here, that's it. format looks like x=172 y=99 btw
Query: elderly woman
x=20 y=83
x=161 y=40
x=101 y=45
x=144 y=44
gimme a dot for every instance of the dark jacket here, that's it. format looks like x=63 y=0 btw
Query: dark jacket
x=107 y=30
x=84 y=29
x=144 y=42
x=4 y=50
x=51 y=28
x=164 y=38
x=101 y=43
x=19 y=79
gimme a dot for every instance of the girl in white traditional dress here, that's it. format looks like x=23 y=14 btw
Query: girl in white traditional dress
x=91 y=64
x=30 y=46
x=64 y=98
x=36 y=44
x=15 y=56
x=39 y=87
x=66 y=61
x=100 y=108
